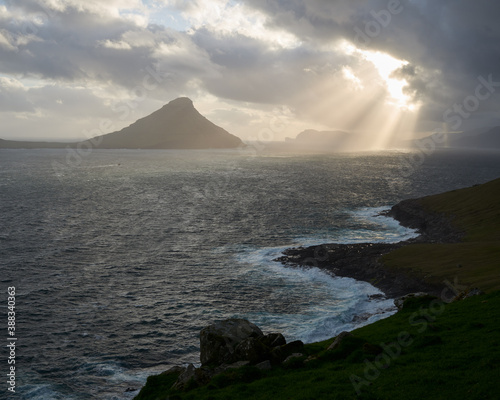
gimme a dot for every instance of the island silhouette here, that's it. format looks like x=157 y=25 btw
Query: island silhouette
x=177 y=125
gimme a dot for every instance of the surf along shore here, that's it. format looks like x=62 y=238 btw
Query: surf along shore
x=457 y=246
x=429 y=349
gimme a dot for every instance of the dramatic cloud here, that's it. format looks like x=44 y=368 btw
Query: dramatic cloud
x=448 y=44
x=388 y=65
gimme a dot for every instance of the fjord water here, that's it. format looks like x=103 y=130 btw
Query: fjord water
x=119 y=261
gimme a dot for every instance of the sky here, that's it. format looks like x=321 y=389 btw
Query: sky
x=262 y=69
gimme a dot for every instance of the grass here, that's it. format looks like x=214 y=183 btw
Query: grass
x=475 y=261
x=432 y=351
x=429 y=350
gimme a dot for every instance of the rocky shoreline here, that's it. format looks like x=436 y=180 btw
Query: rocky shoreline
x=232 y=344
x=362 y=261
x=236 y=351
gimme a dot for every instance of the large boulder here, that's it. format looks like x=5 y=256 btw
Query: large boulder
x=258 y=349
x=218 y=342
x=186 y=375
x=251 y=349
x=273 y=340
x=192 y=377
x=281 y=353
x=234 y=343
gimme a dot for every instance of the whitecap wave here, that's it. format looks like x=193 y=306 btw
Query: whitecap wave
x=387 y=229
x=371 y=226
x=328 y=304
x=325 y=305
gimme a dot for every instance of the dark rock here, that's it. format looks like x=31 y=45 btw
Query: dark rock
x=292 y=357
x=399 y=302
x=229 y=344
x=273 y=340
x=474 y=292
x=192 y=377
x=338 y=340
x=185 y=377
x=264 y=365
x=174 y=370
x=237 y=364
x=203 y=375
x=433 y=227
x=195 y=377
x=280 y=353
x=251 y=349
x=378 y=296
x=258 y=349
x=218 y=342
x=362 y=261
x=468 y=293
x=292 y=347
x=359 y=261
x=311 y=359
x=361 y=318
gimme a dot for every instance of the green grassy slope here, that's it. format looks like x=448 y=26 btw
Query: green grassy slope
x=475 y=261
x=429 y=350
x=426 y=351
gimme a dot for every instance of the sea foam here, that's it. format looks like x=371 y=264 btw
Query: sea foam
x=329 y=304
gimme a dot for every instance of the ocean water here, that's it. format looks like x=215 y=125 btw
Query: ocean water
x=121 y=257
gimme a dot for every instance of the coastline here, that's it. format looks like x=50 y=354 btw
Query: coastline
x=440 y=252
x=358 y=354
x=361 y=261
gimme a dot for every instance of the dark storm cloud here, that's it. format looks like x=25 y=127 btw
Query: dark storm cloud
x=78 y=45
x=68 y=46
x=75 y=44
x=252 y=71
x=448 y=43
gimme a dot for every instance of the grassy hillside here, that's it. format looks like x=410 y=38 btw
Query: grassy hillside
x=475 y=261
x=429 y=350
x=426 y=351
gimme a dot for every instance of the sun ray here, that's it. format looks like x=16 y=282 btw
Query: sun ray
x=372 y=104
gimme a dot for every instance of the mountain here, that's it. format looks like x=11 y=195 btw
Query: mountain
x=14 y=144
x=313 y=140
x=486 y=140
x=177 y=125
x=321 y=137
x=477 y=139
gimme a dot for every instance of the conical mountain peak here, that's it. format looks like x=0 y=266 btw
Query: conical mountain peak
x=177 y=125
x=180 y=102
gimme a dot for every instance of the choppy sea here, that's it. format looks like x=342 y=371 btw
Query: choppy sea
x=119 y=258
